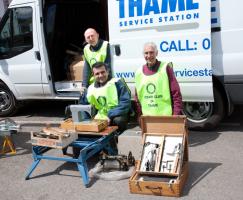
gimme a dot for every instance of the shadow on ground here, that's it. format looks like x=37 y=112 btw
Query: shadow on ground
x=197 y=138
x=198 y=171
x=45 y=108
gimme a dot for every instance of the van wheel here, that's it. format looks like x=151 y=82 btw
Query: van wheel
x=205 y=115
x=8 y=103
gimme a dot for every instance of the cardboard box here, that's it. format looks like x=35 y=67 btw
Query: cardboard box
x=76 y=70
x=53 y=137
x=84 y=126
x=163 y=168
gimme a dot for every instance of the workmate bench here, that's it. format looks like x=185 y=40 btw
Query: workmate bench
x=89 y=146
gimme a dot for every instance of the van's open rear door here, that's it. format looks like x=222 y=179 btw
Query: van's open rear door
x=180 y=28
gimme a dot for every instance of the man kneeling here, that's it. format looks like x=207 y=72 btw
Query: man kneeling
x=111 y=98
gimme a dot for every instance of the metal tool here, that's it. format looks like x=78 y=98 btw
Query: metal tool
x=78 y=112
x=167 y=165
x=7 y=127
x=52 y=133
x=176 y=152
x=151 y=156
x=119 y=162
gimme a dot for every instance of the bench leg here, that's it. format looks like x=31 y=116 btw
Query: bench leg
x=32 y=168
x=83 y=169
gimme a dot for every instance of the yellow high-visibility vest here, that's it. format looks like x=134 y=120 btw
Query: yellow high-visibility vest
x=154 y=92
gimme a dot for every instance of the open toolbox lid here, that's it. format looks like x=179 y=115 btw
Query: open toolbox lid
x=163 y=134
x=164 y=124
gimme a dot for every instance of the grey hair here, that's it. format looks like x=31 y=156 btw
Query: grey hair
x=151 y=44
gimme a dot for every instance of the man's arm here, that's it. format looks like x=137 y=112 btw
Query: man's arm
x=138 y=106
x=83 y=99
x=175 y=92
x=108 y=60
x=86 y=74
x=124 y=98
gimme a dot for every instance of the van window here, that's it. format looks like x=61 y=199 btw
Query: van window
x=16 y=32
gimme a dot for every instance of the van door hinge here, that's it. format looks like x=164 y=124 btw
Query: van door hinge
x=37 y=55
x=49 y=77
x=216 y=29
x=41 y=19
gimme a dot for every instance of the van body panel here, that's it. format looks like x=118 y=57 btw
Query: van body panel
x=7 y=81
x=21 y=2
x=227 y=47
x=185 y=42
x=181 y=29
x=24 y=69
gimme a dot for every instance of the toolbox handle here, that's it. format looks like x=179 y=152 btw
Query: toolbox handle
x=153 y=188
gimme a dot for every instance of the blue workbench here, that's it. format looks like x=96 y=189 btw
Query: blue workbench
x=89 y=146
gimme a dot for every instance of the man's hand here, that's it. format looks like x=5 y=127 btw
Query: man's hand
x=83 y=90
x=139 y=121
x=108 y=120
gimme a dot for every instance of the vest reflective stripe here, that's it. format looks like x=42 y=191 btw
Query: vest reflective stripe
x=95 y=56
x=154 y=92
x=103 y=98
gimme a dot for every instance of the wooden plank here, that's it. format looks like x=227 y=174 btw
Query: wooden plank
x=108 y=130
x=158 y=162
x=89 y=126
x=165 y=124
x=59 y=142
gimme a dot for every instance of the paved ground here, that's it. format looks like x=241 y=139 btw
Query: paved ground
x=215 y=170
x=215 y=173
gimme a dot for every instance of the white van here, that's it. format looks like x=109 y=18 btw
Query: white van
x=202 y=38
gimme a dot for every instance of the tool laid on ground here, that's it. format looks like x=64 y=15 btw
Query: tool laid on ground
x=7 y=127
x=118 y=162
x=113 y=167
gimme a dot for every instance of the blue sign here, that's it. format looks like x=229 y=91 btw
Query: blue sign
x=155 y=7
x=143 y=13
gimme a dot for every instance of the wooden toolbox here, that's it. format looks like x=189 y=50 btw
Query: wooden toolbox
x=53 y=137
x=90 y=126
x=163 y=168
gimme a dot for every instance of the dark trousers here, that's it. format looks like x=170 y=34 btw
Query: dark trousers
x=121 y=122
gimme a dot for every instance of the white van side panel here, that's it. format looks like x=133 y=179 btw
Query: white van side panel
x=24 y=70
x=182 y=35
x=227 y=47
x=228 y=43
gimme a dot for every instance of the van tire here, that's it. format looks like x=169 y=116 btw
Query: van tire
x=8 y=103
x=213 y=113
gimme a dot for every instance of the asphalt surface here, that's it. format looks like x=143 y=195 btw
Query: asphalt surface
x=215 y=167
